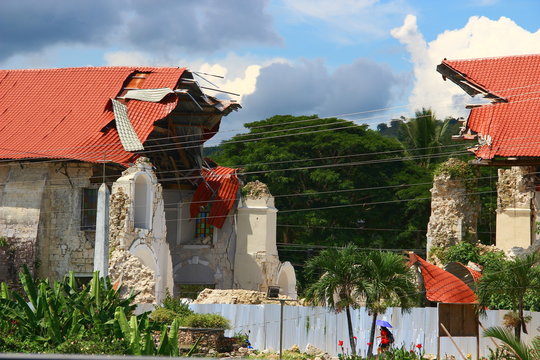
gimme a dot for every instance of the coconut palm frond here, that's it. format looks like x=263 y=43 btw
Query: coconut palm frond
x=511 y=342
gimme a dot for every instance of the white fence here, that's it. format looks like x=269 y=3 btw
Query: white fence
x=323 y=328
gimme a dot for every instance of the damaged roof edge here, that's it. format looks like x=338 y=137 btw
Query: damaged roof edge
x=467 y=84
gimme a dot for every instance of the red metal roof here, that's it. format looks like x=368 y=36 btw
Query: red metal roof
x=511 y=128
x=61 y=113
x=219 y=187
x=441 y=286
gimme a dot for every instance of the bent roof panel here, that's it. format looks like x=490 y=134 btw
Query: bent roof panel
x=60 y=113
x=509 y=128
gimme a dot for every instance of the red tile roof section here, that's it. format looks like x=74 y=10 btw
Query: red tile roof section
x=441 y=286
x=512 y=127
x=60 y=113
x=220 y=188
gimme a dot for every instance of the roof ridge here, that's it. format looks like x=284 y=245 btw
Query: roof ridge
x=493 y=57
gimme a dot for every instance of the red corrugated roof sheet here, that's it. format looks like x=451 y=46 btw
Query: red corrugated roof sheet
x=441 y=286
x=219 y=187
x=60 y=113
x=511 y=129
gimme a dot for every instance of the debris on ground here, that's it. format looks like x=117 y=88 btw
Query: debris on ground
x=238 y=296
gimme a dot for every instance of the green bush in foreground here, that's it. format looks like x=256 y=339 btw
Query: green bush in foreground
x=208 y=321
x=164 y=316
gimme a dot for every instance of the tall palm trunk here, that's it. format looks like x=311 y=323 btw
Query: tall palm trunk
x=372 y=335
x=351 y=335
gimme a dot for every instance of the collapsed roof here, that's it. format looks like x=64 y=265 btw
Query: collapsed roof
x=509 y=125
x=116 y=114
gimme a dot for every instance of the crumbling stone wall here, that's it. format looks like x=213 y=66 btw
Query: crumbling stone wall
x=140 y=256
x=133 y=275
x=454 y=210
x=515 y=188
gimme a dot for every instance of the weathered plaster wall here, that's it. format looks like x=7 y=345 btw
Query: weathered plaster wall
x=40 y=216
x=454 y=212
x=515 y=208
x=137 y=234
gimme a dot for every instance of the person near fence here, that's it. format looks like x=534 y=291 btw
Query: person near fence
x=387 y=338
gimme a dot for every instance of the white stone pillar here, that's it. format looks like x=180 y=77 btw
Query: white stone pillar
x=101 y=246
x=515 y=217
x=256 y=261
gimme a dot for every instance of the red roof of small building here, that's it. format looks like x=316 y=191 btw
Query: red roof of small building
x=441 y=286
x=510 y=126
x=63 y=113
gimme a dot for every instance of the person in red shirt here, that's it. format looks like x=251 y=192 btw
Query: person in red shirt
x=386 y=339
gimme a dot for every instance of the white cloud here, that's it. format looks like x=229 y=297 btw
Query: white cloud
x=347 y=19
x=480 y=37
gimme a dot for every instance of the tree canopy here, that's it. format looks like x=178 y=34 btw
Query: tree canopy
x=334 y=182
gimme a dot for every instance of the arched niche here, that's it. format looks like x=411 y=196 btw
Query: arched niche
x=145 y=254
x=142 y=204
x=287 y=280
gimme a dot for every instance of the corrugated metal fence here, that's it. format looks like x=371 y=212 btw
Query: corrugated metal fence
x=323 y=328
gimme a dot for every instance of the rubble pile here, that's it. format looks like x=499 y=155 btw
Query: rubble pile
x=236 y=296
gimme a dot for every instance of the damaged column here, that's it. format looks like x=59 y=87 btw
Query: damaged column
x=454 y=209
x=140 y=255
x=515 y=217
x=257 y=264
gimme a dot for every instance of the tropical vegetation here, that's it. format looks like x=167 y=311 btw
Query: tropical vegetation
x=67 y=317
x=337 y=182
x=516 y=280
x=350 y=278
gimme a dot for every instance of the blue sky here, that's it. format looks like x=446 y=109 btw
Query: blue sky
x=370 y=59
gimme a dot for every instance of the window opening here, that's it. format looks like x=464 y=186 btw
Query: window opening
x=203 y=230
x=89 y=209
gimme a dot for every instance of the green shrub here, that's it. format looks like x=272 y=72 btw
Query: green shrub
x=176 y=305
x=75 y=346
x=208 y=321
x=463 y=252
x=163 y=316
x=11 y=344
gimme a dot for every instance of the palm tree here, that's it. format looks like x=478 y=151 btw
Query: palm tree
x=387 y=281
x=514 y=345
x=351 y=277
x=338 y=282
x=514 y=280
x=423 y=135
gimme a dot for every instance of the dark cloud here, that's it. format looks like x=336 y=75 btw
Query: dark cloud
x=31 y=25
x=310 y=88
x=199 y=26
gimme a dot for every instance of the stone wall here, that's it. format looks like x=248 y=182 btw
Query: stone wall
x=133 y=275
x=140 y=255
x=454 y=212
x=40 y=208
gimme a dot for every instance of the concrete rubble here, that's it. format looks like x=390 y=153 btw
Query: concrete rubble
x=237 y=296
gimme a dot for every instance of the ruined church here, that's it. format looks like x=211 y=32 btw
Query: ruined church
x=102 y=167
